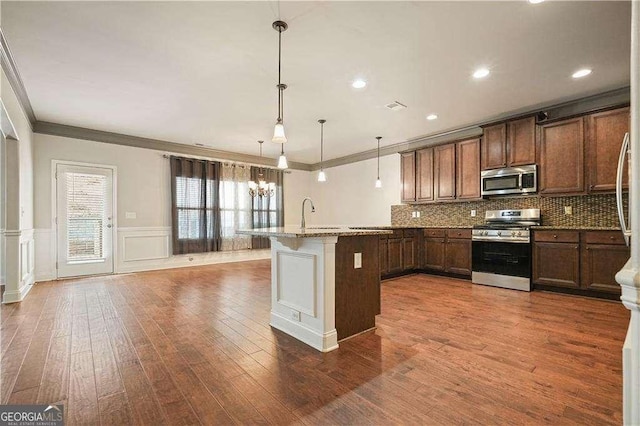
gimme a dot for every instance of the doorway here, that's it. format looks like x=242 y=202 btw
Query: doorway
x=84 y=220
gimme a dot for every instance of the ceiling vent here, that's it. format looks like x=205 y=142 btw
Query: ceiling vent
x=395 y=106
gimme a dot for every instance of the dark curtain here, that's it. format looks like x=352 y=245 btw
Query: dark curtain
x=195 y=205
x=267 y=212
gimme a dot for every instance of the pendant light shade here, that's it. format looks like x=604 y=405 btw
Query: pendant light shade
x=322 y=177
x=378 y=181
x=278 y=130
x=282 y=161
x=278 y=133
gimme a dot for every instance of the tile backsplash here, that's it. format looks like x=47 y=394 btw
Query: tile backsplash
x=588 y=211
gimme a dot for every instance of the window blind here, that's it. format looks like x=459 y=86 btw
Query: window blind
x=86 y=194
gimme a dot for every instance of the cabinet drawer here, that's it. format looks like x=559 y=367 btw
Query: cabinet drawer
x=604 y=237
x=459 y=233
x=557 y=236
x=397 y=233
x=434 y=233
x=409 y=233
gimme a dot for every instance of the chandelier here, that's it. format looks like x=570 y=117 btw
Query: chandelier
x=259 y=187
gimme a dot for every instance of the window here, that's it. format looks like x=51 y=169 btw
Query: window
x=267 y=212
x=195 y=196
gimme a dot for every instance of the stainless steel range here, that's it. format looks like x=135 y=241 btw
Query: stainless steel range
x=501 y=249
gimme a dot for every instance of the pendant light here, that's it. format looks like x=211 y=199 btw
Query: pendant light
x=282 y=161
x=278 y=130
x=378 y=181
x=322 y=177
x=259 y=187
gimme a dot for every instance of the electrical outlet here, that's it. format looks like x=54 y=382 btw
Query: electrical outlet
x=295 y=315
x=130 y=215
x=568 y=210
x=417 y=214
x=357 y=260
x=413 y=214
x=474 y=213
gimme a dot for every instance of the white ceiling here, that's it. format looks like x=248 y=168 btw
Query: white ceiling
x=205 y=72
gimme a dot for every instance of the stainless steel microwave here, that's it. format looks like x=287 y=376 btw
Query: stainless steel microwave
x=511 y=180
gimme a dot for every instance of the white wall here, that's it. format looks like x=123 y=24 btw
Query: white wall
x=143 y=187
x=18 y=236
x=349 y=197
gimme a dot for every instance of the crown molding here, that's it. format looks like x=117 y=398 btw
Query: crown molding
x=63 y=130
x=556 y=110
x=11 y=71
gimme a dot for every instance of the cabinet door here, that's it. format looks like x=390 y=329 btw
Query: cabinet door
x=600 y=263
x=561 y=157
x=556 y=264
x=395 y=255
x=458 y=256
x=468 y=169
x=409 y=253
x=384 y=256
x=521 y=144
x=605 y=132
x=424 y=174
x=494 y=147
x=445 y=172
x=434 y=254
x=408 y=178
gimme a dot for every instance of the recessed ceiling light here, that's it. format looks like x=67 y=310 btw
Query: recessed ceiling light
x=432 y=116
x=359 y=84
x=481 y=73
x=535 y=1
x=581 y=73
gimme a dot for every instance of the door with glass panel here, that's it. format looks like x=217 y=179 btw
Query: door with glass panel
x=84 y=204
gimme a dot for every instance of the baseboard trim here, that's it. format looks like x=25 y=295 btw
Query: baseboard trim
x=323 y=342
x=20 y=294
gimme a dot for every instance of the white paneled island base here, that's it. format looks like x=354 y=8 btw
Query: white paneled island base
x=303 y=281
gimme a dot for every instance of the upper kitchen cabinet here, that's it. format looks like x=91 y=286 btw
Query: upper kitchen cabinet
x=468 y=169
x=424 y=174
x=509 y=144
x=444 y=159
x=408 y=176
x=494 y=147
x=560 y=154
x=605 y=132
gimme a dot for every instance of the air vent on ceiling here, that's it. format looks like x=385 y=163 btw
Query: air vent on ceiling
x=395 y=106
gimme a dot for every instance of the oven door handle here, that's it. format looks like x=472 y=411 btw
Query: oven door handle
x=520 y=180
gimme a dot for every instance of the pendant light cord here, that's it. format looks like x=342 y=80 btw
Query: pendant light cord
x=321 y=146
x=279 y=73
x=378 y=137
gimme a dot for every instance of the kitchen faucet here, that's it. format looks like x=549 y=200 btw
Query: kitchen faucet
x=313 y=209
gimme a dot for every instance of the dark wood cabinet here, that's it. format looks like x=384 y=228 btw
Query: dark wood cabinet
x=384 y=255
x=409 y=249
x=468 y=169
x=509 y=144
x=396 y=263
x=445 y=172
x=604 y=253
x=521 y=142
x=424 y=174
x=433 y=249
x=556 y=264
x=605 y=132
x=458 y=252
x=561 y=157
x=494 y=147
x=408 y=176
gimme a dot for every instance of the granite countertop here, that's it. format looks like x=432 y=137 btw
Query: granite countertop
x=578 y=228
x=312 y=232
x=412 y=227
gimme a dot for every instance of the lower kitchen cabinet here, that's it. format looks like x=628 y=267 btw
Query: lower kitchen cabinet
x=604 y=253
x=399 y=252
x=433 y=249
x=586 y=261
x=457 y=257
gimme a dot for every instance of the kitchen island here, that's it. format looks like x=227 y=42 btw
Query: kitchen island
x=325 y=282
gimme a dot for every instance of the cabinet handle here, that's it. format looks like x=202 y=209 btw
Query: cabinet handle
x=555 y=236
x=587 y=248
x=460 y=233
x=612 y=237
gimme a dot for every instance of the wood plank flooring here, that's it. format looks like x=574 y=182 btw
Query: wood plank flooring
x=194 y=346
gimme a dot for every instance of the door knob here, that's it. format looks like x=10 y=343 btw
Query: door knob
x=109 y=226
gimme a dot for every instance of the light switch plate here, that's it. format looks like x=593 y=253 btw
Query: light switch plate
x=295 y=315
x=357 y=260
x=568 y=210
x=130 y=215
x=474 y=213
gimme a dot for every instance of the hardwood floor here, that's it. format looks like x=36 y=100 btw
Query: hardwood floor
x=191 y=346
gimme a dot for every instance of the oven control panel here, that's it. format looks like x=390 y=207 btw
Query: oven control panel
x=505 y=235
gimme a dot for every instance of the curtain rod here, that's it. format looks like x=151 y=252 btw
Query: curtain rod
x=231 y=163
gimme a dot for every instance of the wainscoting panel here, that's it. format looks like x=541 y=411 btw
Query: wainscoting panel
x=299 y=268
x=20 y=261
